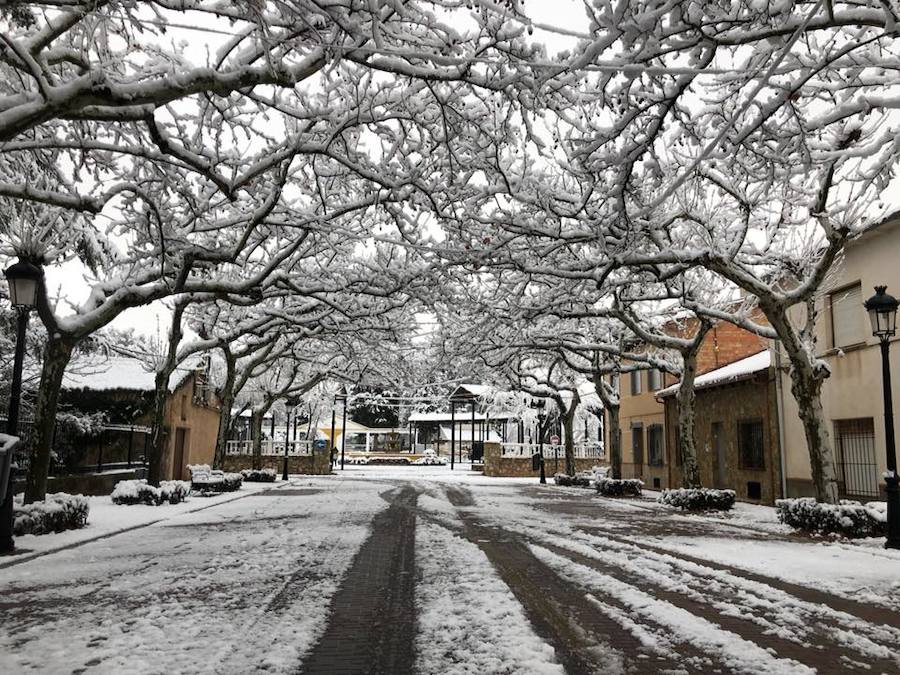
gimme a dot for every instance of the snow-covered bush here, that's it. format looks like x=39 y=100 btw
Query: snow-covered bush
x=698 y=499
x=388 y=460
x=430 y=460
x=58 y=512
x=210 y=481
x=129 y=492
x=620 y=487
x=259 y=475
x=174 y=491
x=571 y=481
x=849 y=518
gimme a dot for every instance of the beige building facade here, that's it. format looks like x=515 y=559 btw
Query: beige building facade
x=852 y=396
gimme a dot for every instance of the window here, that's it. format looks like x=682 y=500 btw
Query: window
x=654 y=379
x=655 y=444
x=184 y=406
x=637 y=445
x=751 y=446
x=848 y=321
x=857 y=473
x=635 y=382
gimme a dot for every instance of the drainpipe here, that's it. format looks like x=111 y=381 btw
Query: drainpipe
x=779 y=414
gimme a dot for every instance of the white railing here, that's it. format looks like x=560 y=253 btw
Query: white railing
x=582 y=450
x=294 y=448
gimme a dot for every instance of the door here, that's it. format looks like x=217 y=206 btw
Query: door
x=718 y=447
x=180 y=443
x=637 y=448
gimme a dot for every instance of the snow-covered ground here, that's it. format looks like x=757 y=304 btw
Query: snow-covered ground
x=106 y=518
x=244 y=583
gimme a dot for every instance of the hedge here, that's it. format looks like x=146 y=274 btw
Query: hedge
x=571 y=481
x=698 y=499
x=620 y=487
x=128 y=492
x=57 y=513
x=259 y=475
x=848 y=518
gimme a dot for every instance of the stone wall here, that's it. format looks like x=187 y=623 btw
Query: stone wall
x=317 y=465
x=728 y=405
x=520 y=467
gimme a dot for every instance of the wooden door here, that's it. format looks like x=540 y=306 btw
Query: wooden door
x=637 y=448
x=718 y=447
x=180 y=443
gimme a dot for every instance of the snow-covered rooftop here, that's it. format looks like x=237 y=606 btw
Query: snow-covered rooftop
x=733 y=372
x=105 y=373
x=461 y=416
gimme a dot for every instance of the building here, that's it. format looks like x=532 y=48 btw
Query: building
x=642 y=416
x=852 y=396
x=735 y=430
x=123 y=388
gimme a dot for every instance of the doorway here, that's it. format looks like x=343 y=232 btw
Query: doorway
x=637 y=448
x=718 y=446
x=181 y=436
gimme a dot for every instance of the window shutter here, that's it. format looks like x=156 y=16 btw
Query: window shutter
x=847 y=317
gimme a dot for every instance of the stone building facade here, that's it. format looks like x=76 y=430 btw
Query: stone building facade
x=735 y=430
x=645 y=440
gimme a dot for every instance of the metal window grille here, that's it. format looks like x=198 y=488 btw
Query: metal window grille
x=751 y=444
x=857 y=471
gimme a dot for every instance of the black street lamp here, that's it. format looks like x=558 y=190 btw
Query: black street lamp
x=289 y=404
x=539 y=406
x=342 y=397
x=882 y=309
x=25 y=280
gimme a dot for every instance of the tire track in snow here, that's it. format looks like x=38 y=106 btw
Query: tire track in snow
x=586 y=639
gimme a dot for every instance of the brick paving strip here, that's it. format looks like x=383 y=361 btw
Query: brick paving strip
x=372 y=625
x=585 y=639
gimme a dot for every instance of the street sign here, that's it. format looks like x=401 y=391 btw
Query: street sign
x=319 y=444
x=554 y=440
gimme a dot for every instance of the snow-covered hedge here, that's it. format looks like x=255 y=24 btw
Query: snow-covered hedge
x=206 y=480
x=849 y=518
x=620 y=487
x=259 y=475
x=58 y=512
x=129 y=492
x=571 y=481
x=698 y=499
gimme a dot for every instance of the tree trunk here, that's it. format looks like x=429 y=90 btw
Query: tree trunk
x=685 y=399
x=57 y=354
x=256 y=420
x=158 y=434
x=569 y=434
x=806 y=386
x=226 y=402
x=807 y=375
x=615 y=439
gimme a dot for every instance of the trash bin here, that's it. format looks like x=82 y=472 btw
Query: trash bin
x=7 y=445
x=536 y=462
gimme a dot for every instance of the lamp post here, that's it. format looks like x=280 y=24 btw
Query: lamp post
x=342 y=397
x=882 y=309
x=539 y=406
x=289 y=404
x=24 y=280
